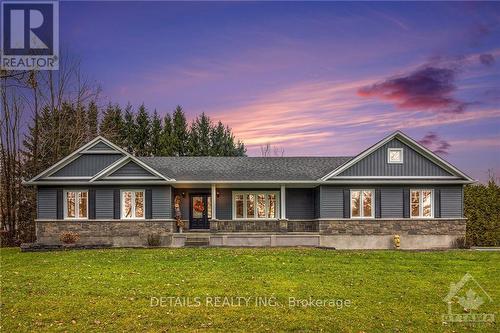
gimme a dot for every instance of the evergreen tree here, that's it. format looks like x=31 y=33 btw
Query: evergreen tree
x=129 y=130
x=156 y=134
x=166 y=140
x=204 y=127
x=180 y=135
x=143 y=133
x=112 y=124
x=92 y=120
x=218 y=140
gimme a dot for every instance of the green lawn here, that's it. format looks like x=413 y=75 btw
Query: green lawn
x=111 y=290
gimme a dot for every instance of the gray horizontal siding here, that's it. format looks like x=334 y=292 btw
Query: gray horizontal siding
x=414 y=164
x=391 y=202
x=162 y=202
x=131 y=169
x=224 y=208
x=300 y=203
x=451 y=201
x=104 y=203
x=47 y=203
x=331 y=202
x=87 y=165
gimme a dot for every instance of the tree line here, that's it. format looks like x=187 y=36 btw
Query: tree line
x=46 y=115
x=143 y=134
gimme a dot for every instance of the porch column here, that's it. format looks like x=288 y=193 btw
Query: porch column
x=214 y=201
x=283 y=203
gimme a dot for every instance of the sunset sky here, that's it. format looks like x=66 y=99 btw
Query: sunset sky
x=312 y=78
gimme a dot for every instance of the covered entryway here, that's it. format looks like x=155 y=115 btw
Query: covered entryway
x=200 y=211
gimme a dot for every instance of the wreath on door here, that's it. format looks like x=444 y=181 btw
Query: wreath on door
x=198 y=206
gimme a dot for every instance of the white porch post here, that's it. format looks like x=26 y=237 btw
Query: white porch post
x=282 y=203
x=214 y=201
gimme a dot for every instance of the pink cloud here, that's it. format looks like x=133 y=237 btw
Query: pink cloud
x=428 y=88
x=435 y=143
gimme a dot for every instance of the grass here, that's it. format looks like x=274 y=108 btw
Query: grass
x=111 y=290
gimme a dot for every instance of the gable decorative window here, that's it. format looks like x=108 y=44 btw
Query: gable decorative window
x=76 y=204
x=132 y=204
x=362 y=203
x=421 y=203
x=395 y=155
x=255 y=205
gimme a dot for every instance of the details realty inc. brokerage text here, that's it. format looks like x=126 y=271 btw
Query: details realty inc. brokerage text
x=247 y=301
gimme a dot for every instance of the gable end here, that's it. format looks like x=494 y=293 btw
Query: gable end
x=131 y=170
x=376 y=164
x=86 y=165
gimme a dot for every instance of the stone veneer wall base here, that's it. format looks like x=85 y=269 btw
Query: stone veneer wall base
x=339 y=234
x=133 y=233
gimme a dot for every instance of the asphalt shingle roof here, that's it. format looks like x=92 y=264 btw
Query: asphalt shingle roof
x=244 y=168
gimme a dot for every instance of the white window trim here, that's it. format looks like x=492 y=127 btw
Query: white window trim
x=255 y=193
x=361 y=203
x=389 y=155
x=133 y=217
x=77 y=204
x=420 y=204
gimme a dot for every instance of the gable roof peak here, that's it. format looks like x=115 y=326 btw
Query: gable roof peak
x=412 y=143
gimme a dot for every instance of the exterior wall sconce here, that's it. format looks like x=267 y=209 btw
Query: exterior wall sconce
x=218 y=194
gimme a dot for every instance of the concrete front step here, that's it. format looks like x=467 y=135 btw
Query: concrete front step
x=196 y=241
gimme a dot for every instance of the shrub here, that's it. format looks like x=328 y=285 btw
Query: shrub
x=154 y=240
x=69 y=237
x=482 y=210
x=460 y=243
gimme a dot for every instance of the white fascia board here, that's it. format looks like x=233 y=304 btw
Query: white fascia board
x=397 y=177
x=334 y=181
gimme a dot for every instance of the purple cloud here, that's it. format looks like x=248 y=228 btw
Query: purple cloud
x=428 y=88
x=487 y=59
x=435 y=143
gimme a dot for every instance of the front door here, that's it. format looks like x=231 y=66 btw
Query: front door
x=200 y=211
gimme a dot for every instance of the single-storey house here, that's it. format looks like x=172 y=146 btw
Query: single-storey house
x=395 y=187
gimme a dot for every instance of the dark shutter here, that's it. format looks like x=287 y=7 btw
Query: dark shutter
x=116 y=204
x=378 y=203
x=92 y=204
x=437 y=202
x=406 y=202
x=59 y=204
x=149 y=203
x=347 y=203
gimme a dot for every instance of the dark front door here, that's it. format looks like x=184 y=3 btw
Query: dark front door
x=200 y=211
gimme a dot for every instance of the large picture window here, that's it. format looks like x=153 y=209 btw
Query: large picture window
x=421 y=203
x=362 y=203
x=132 y=204
x=255 y=205
x=76 y=204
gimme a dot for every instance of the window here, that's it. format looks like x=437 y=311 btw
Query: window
x=421 y=203
x=395 y=155
x=76 y=204
x=362 y=203
x=255 y=205
x=132 y=204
